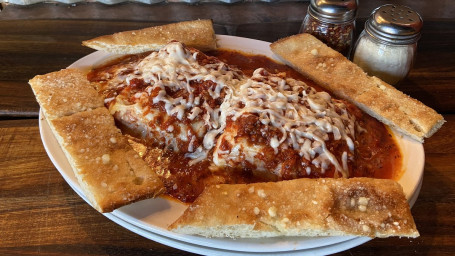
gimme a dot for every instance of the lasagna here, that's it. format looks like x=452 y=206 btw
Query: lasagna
x=200 y=121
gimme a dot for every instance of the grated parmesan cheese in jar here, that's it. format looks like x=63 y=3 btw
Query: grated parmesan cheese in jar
x=391 y=63
x=386 y=47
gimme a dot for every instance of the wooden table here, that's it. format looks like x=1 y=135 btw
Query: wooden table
x=41 y=214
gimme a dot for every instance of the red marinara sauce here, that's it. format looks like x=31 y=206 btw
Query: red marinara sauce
x=376 y=152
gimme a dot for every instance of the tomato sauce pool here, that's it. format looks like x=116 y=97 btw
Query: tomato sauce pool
x=376 y=152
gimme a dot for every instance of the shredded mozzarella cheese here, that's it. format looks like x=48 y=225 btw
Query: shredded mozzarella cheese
x=306 y=118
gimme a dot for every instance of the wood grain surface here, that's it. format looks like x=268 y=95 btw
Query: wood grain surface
x=41 y=215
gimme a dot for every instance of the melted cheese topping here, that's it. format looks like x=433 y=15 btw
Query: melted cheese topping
x=305 y=117
x=173 y=69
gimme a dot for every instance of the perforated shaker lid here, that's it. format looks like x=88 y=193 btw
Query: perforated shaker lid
x=396 y=24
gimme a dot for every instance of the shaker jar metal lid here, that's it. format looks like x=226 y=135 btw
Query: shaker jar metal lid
x=333 y=11
x=395 y=24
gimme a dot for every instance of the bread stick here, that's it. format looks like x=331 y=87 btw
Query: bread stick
x=346 y=80
x=301 y=207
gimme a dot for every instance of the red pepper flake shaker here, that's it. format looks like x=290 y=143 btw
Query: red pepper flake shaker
x=333 y=22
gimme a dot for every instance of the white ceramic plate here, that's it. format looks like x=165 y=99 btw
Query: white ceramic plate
x=154 y=215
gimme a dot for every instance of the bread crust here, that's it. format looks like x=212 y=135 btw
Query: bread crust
x=64 y=93
x=301 y=207
x=198 y=34
x=109 y=171
x=346 y=80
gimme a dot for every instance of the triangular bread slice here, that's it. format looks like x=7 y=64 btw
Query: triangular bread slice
x=334 y=72
x=301 y=207
x=110 y=173
x=198 y=34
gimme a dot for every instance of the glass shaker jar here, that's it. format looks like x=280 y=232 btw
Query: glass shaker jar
x=332 y=22
x=387 y=46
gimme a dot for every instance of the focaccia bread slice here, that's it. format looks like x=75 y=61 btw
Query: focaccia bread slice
x=346 y=80
x=109 y=171
x=64 y=93
x=301 y=207
x=197 y=33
